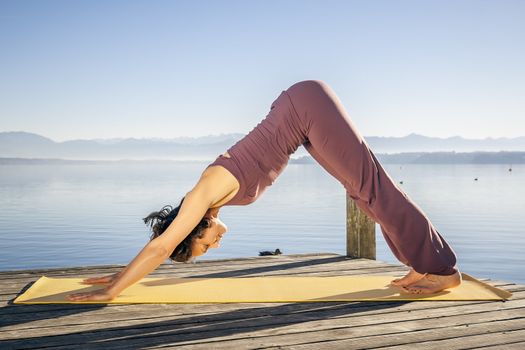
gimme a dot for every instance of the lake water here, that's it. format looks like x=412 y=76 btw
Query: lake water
x=89 y=214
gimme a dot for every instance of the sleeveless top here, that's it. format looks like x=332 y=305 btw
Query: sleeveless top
x=260 y=156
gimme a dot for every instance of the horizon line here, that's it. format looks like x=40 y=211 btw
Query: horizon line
x=226 y=134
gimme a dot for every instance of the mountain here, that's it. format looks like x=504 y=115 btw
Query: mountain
x=30 y=145
x=419 y=143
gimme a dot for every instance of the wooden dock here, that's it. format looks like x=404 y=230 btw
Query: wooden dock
x=319 y=325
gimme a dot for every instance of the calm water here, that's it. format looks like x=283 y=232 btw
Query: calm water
x=76 y=215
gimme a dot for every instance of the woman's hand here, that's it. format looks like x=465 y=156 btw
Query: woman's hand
x=101 y=280
x=96 y=295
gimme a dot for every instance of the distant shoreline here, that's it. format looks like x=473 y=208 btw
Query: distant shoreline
x=481 y=157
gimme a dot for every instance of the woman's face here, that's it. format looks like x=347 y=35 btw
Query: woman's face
x=212 y=237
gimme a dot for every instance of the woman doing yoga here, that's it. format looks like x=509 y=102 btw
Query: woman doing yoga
x=308 y=113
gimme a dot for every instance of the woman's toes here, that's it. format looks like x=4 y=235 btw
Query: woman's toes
x=410 y=278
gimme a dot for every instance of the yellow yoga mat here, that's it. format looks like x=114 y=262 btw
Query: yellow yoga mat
x=278 y=289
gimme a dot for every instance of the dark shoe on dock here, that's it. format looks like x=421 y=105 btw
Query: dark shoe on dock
x=266 y=252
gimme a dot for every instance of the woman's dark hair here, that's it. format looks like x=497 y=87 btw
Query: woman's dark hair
x=159 y=222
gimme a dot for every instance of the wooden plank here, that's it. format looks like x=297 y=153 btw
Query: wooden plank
x=347 y=331
x=26 y=313
x=287 y=319
x=520 y=345
x=95 y=318
x=107 y=269
x=271 y=266
x=248 y=325
x=230 y=261
x=510 y=339
x=360 y=232
x=132 y=311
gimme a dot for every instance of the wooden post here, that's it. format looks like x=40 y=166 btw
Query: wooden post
x=360 y=232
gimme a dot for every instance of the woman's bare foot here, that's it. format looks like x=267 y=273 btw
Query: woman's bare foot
x=434 y=283
x=411 y=277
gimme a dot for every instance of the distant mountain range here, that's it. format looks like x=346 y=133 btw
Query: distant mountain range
x=412 y=148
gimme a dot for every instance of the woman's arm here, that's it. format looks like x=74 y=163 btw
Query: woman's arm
x=196 y=204
x=149 y=258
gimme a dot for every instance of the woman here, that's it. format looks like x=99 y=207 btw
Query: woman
x=308 y=113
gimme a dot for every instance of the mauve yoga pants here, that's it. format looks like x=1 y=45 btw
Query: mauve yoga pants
x=335 y=143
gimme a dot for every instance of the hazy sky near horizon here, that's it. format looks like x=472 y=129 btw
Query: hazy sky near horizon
x=104 y=69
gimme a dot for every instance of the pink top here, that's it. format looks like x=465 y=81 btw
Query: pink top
x=261 y=156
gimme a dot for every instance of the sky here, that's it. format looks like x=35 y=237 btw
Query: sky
x=164 y=69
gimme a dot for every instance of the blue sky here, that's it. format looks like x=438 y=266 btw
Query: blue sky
x=104 y=69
